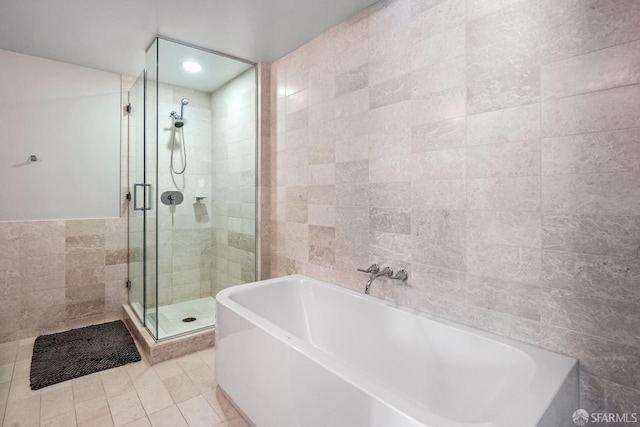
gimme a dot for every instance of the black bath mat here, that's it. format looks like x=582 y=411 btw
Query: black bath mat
x=72 y=354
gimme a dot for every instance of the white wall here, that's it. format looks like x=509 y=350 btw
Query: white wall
x=69 y=117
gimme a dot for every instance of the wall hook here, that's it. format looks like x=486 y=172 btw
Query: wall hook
x=33 y=158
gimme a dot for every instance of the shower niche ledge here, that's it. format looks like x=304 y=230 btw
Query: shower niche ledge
x=166 y=349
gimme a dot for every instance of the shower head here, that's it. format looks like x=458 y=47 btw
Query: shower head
x=184 y=102
x=178 y=123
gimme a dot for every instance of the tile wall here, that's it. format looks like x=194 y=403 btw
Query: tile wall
x=491 y=149
x=234 y=182
x=184 y=243
x=64 y=274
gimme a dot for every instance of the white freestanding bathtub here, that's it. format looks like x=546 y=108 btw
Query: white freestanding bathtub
x=295 y=351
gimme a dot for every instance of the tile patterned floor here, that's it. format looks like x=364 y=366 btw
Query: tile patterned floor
x=176 y=393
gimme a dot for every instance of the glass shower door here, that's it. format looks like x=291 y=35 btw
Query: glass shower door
x=136 y=179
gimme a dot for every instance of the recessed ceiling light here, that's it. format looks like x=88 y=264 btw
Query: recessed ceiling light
x=192 y=67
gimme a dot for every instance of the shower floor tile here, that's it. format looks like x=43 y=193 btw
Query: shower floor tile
x=172 y=316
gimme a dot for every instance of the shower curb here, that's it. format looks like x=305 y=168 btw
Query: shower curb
x=166 y=349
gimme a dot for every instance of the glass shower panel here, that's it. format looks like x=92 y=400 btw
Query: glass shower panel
x=136 y=176
x=152 y=265
x=195 y=166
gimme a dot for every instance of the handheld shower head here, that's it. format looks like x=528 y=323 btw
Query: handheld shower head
x=184 y=102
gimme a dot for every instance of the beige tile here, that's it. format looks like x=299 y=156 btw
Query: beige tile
x=169 y=417
x=351 y=103
x=388 y=53
x=439 y=194
x=608 y=319
x=600 y=152
x=508 y=125
x=190 y=362
x=435 y=78
x=439 y=18
x=56 y=403
x=67 y=419
x=605 y=194
x=6 y=372
x=596 y=275
x=505 y=296
x=87 y=388
x=438 y=48
x=479 y=8
x=181 y=387
x=510 y=263
x=603 y=69
x=390 y=92
x=234 y=422
x=508 y=159
x=622 y=400
x=514 y=327
x=447 y=254
x=154 y=398
x=505 y=228
x=116 y=382
x=437 y=106
x=168 y=369
x=323 y=215
x=574 y=27
x=85 y=227
x=23 y=412
x=390 y=220
x=390 y=169
x=442 y=164
x=599 y=357
x=20 y=390
x=380 y=195
x=592 y=234
x=351 y=80
x=502 y=40
x=617 y=108
x=390 y=245
x=125 y=408
x=94 y=412
x=441 y=135
x=142 y=422
x=198 y=412
x=517 y=194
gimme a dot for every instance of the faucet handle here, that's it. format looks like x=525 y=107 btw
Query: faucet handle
x=401 y=275
x=373 y=269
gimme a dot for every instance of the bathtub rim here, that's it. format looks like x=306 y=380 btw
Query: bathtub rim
x=555 y=365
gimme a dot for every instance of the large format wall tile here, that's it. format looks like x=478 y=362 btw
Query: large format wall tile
x=574 y=27
x=592 y=234
x=605 y=194
x=593 y=112
x=502 y=143
x=609 y=151
x=603 y=69
x=613 y=320
x=508 y=125
x=597 y=275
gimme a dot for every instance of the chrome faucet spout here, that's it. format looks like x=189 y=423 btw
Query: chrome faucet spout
x=387 y=272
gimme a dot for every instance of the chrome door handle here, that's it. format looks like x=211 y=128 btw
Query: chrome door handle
x=146 y=195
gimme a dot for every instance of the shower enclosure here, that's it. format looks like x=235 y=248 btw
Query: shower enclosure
x=192 y=185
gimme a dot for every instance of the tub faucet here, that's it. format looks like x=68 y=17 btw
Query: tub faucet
x=387 y=272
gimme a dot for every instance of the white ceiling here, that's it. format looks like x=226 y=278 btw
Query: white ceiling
x=216 y=69
x=112 y=35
